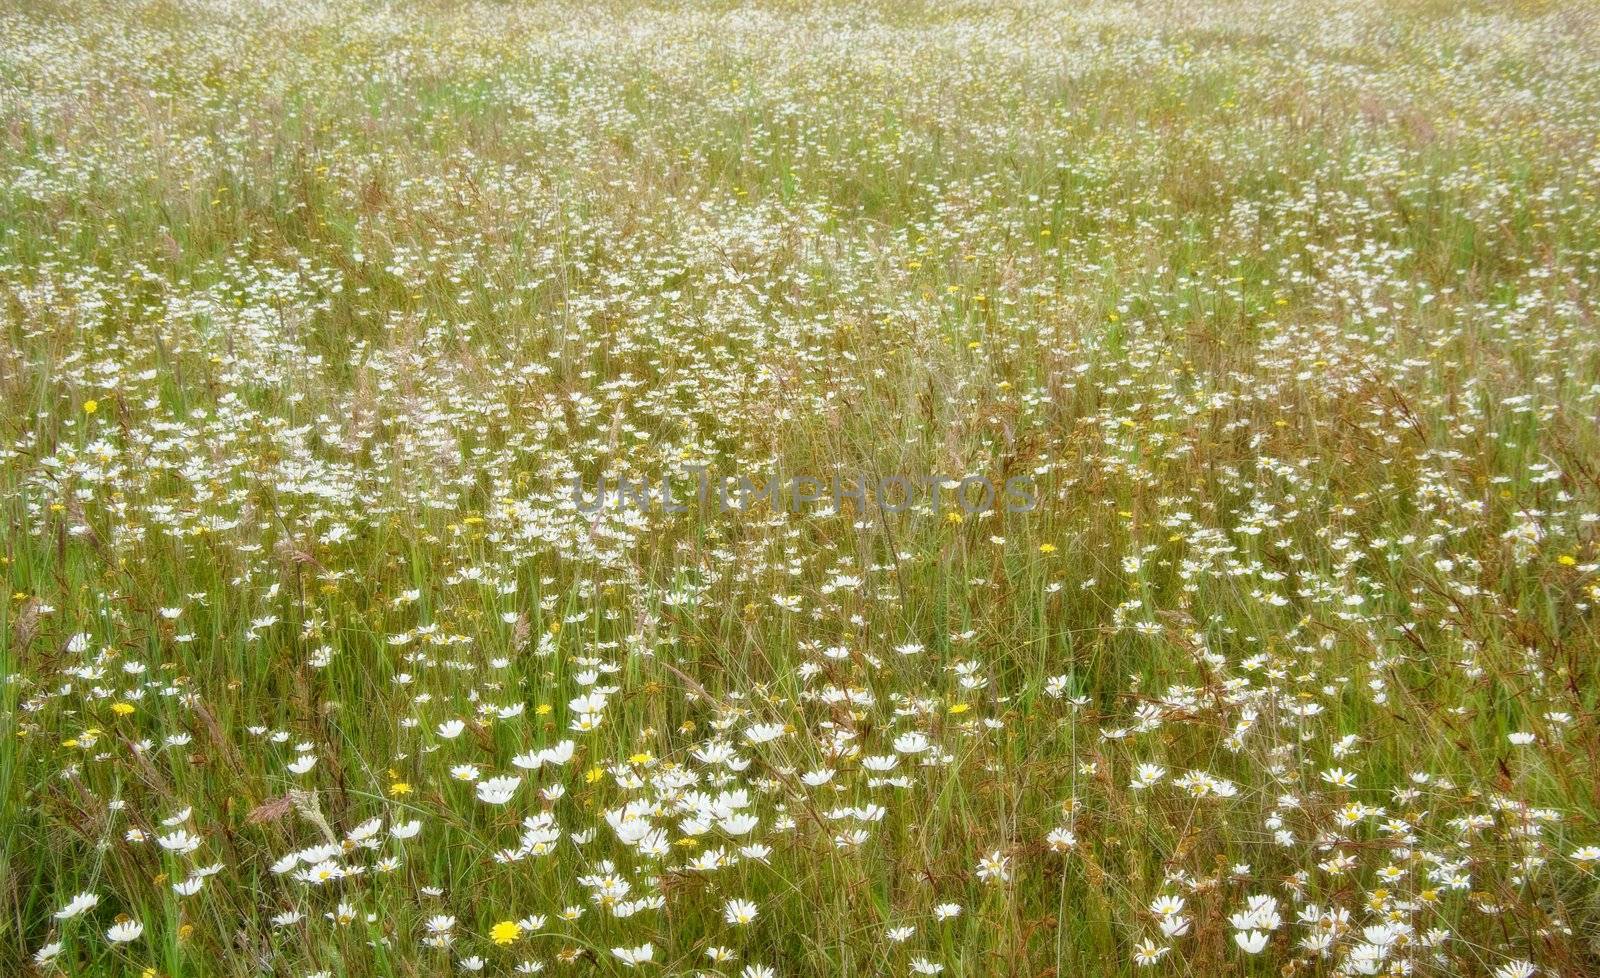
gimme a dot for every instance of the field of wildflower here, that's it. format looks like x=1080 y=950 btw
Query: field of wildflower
x=324 y=324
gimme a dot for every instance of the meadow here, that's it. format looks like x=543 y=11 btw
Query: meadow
x=314 y=664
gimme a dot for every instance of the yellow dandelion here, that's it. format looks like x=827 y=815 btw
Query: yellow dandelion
x=505 y=932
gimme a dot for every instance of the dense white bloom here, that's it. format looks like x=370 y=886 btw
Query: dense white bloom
x=77 y=905
x=739 y=912
x=124 y=932
x=497 y=791
x=634 y=956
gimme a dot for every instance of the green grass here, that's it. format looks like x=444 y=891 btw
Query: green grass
x=311 y=313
